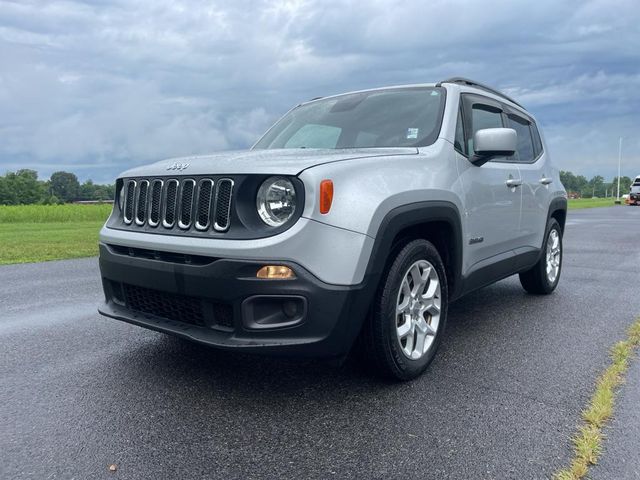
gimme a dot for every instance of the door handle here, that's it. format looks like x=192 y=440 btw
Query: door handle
x=546 y=180
x=514 y=182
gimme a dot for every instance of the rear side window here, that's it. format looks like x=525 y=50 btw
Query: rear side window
x=525 y=150
x=483 y=116
x=537 y=141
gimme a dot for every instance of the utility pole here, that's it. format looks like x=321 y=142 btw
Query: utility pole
x=619 y=159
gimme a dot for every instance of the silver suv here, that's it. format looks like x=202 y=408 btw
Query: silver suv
x=355 y=217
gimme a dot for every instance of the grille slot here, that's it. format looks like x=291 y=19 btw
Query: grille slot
x=203 y=210
x=129 y=201
x=186 y=203
x=154 y=208
x=171 y=201
x=141 y=203
x=223 y=205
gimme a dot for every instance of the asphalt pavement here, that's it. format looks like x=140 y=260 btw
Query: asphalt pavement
x=79 y=392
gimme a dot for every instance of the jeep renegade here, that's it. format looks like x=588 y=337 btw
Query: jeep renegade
x=355 y=217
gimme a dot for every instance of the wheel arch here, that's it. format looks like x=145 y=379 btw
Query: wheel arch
x=558 y=210
x=436 y=221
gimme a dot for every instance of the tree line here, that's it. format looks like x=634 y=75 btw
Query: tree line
x=595 y=187
x=23 y=187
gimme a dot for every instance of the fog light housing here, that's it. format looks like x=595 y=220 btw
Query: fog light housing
x=262 y=312
x=275 y=272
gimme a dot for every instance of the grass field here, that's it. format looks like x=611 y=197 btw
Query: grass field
x=575 y=204
x=54 y=213
x=37 y=233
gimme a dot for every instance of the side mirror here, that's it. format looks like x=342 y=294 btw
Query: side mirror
x=493 y=142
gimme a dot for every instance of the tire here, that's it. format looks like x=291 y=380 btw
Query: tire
x=384 y=342
x=538 y=280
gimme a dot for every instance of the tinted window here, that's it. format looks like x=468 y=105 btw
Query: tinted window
x=524 y=152
x=537 y=141
x=399 y=117
x=483 y=116
x=459 y=140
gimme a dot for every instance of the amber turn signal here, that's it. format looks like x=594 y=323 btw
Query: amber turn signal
x=326 y=196
x=275 y=272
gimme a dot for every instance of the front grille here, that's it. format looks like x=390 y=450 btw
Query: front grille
x=141 y=204
x=186 y=203
x=156 y=195
x=223 y=204
x=204 y=205
x=179 y=308
x=170 y=204
x=128 y=201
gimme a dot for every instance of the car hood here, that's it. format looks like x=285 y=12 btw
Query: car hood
x=287 y=161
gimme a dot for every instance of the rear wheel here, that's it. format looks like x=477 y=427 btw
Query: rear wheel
x=543 y=278
x=409 y=314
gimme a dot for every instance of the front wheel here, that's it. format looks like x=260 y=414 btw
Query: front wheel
x=543 y=278
x=409 y=314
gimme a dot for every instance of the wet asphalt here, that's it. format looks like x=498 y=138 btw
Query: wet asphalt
x=79 y=392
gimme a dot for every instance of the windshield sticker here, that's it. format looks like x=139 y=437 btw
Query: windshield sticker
x=412 y=133
x=434 y=93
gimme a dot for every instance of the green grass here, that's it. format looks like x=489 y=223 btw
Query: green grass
x=587 y=442
x=54 y=213
x=38 y=233
x=39 y=242
x=578 y=203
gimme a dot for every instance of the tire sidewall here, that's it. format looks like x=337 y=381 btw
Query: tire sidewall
x=406 y=368
x=549 y=286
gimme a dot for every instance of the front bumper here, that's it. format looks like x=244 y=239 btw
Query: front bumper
x=221 y=303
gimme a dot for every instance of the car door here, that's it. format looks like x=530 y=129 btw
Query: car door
x=537 y=179
x=491 y=192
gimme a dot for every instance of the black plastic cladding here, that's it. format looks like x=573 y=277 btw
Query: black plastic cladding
x=243 y=219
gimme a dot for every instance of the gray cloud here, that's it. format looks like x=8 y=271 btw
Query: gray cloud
x=96 y=87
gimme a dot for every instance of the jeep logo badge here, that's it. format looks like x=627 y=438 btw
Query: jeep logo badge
x=178 y=166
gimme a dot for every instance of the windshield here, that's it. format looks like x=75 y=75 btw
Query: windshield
x=398 y=117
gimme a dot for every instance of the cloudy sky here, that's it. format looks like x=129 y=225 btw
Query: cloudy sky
x=96 y=87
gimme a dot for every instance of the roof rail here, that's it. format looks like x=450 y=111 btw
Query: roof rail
x=471 y=83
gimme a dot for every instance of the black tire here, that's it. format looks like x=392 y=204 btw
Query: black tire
x=381 y=342
x=535 y=280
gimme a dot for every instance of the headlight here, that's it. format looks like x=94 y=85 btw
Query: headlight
x=276 y=201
